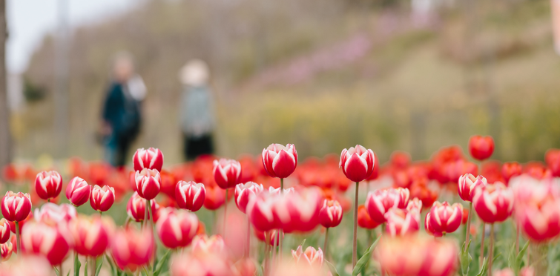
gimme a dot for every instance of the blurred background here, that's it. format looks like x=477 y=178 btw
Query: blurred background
x=411 y=75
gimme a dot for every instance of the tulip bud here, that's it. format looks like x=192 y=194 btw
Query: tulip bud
x=226 y=173
x=16 y=207
x=276 y=191
x=364 y=220
x=46 y=240
x=330 y=214
x=151 y=158
x=148 y=183
x=380 y=201
x=444 y=218
x=298 y=211
x=260 y=211
x=102 y=199
x=190 y=195
x=176 y=228
x=136 y=208
x=53 y=214
x=243 y=192
x=493 y=203
x=214 y=198
x=91 y=235
x=280 y=161
x=552 y=158
x=510 y=170
x=401 y=222
x=481 y=147
x=132 y=248
x=417 y=255
x=357 y=163
x=537 y=211
x=468 y=183
x=414 y=204
x=78 y=191
x=311 y=256
x=4 y=230
x=215 y=244
x=48 y=184
x=6 y=250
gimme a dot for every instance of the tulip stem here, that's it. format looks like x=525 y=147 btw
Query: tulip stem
x=248 y=249
x=326 y=243
x=491 y=250
x=18 y=238
x=76 y=261
x=60 y=269
x=516 y=239
x=467 y=238
x=225 y=214
x=266 y=252
x=482 y=243
x=281 y=232
x=93 y=267
x=355 y=240
x=146 y=213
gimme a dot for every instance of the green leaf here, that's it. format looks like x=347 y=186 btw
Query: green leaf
x=484 y=268
x=99 y=265
x=331 y=267
x=68 y=274
x=303 y=243
x=85 y=269
x=165 y=257
x=465 y=258
x=364 y=259
x=77 y=265
x=56 y=271
x=114 y=271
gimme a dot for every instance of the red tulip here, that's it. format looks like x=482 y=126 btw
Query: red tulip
x=400 y=160
x=379 y=202
x=215 y=197
x=375 y=173
x=176 y=228
x=417 y=255
x=426 y=192
x=468 y=184
x=414 y=204
x=214 y=244
x=401 y=222
x=537 y=210
x=465 y=216
x=299 y=211
x=357 y=163
x=6 y=250
x=481 y=147
x=136 y=208
x=148 y=183
x=330 y=214
x=78 y=191
x=168 y=183
x=226 y=173
x=444 y=218
x=148 y=159
x=280 y=161
x=50 y=241
x=48 y=184
x=132 y=248
x=51 y=213
x=273 y=236
x=510 y=170
x=493 y=203
x=16 y=207
x=201 y=264
x=20 y=223
x=311 y=256
x=276 y=191
x=244 y=192
x=261 y=213
x=552 y=158
x=91 y=235
x=102 y=199
x=190 y=195
x=4 y=230
x=364 y=220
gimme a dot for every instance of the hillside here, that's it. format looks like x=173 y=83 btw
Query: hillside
x=320 y=75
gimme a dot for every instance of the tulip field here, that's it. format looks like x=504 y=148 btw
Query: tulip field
x=275 y=215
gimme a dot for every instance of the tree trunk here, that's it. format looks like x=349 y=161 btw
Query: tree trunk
x=5 y=133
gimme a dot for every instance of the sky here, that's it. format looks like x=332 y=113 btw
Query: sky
x=30 y=20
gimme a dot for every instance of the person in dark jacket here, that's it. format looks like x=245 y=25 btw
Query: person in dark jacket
x=121 y=114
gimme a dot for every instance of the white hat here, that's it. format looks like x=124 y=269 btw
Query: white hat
x=194 y=73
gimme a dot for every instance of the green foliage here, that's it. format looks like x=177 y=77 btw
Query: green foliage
x=364 y=260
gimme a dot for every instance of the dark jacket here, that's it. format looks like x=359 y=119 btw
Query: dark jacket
x=121 y=111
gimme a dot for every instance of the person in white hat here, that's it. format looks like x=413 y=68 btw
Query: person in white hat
x=196 y=112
